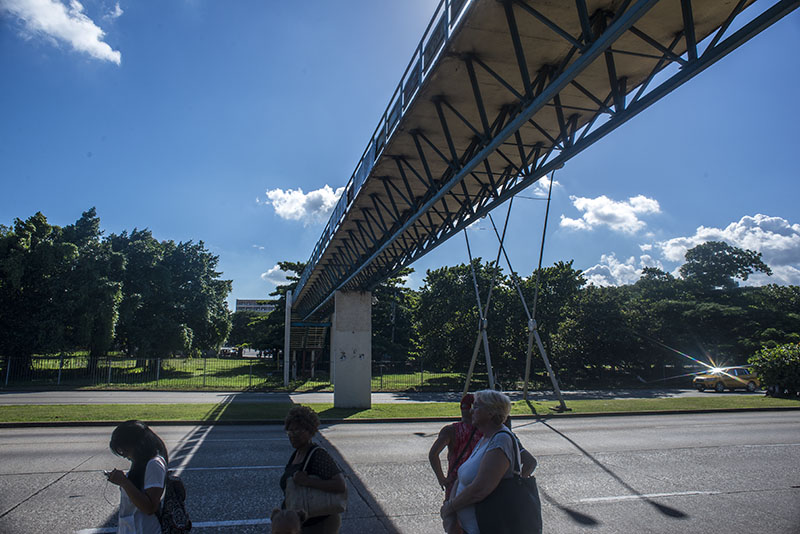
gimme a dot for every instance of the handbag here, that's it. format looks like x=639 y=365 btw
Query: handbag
x=314 y=501
x=514 y=506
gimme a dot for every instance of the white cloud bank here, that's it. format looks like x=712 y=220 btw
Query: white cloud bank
x=613 y=272
x=777 y=239
x=274 y=275
x=312 y=207
x=60 y=22
x=619 y=216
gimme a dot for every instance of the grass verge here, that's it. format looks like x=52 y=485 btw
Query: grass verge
x=254 y=412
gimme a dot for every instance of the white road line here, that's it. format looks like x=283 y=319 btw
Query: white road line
x=618 y=498
x=188 y=456
x=773 y=445
x=199 y=524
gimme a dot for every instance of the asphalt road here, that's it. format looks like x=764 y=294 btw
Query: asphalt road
x=694 y=473
x=8 y=398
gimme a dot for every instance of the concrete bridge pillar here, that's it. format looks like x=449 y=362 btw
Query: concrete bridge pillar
x=351 y=349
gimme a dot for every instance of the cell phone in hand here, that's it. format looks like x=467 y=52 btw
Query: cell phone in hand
x=106 y=473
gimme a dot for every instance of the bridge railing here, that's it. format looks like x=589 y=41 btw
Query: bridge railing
x=445 y=20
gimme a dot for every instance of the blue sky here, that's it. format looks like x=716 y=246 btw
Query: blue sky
x=234 y=123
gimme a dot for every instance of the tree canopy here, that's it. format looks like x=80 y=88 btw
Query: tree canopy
x=71 y=288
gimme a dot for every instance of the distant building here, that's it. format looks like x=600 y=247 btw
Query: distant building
x=252 y=305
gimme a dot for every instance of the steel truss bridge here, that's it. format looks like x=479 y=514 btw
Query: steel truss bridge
x=498 y=94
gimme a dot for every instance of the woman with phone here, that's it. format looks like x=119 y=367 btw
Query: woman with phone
x=142 y=487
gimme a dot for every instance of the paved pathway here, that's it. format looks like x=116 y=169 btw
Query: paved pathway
x=10 y=398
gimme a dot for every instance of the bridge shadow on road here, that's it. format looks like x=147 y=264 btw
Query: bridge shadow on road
x=584 y=519
x=236 y=470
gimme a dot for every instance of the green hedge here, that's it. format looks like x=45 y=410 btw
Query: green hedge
x=779 y=369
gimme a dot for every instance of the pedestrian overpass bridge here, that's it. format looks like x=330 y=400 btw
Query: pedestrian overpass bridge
x=497 y=94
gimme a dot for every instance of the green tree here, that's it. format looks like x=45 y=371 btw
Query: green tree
x=95 y=288
x=715 y=265
x=447 y=316
x=173 y=301
x=270 y=328
x=594 y=335
x=558 y=285
x=34 y=263
x=392 y=318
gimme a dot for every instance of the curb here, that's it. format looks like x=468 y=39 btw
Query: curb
x=535 y=417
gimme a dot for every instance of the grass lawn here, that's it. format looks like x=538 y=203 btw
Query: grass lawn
x=276 y=411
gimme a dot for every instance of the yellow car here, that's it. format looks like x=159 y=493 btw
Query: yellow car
x=720 y=379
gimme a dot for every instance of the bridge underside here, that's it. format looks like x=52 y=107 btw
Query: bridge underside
x=513 y=90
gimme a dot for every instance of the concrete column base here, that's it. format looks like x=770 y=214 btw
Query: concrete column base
x=351 y=349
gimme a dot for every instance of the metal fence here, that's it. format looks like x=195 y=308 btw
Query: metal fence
x=69 y=371
x=161 y=373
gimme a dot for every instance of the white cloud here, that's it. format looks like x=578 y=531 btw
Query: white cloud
x=116 y=13
x=620 y=216
x=312 y=207
x=542 y=186
x=59 y=22
x=777 y=239
x=613 y=272
x=258 y=247
x=274 y=275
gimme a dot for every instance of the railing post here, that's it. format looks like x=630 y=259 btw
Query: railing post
x=205 y=362
x=60 y=367
x=8 y=368
x=250 y=381
x=108 y=364
x=158 y=370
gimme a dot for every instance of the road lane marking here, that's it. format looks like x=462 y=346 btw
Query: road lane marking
x=618 y=498
x=188 y=456
x=199 y=524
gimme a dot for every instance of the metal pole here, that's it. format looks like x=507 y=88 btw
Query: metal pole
x=158 y=370
x=8 y=368
x=205 y=362
x=108 y=363
x=553 y=379
x=531 y=330
x=472 y=363
x=481 y=315
x=287 y=337
x=250 y=381
x=60 y=367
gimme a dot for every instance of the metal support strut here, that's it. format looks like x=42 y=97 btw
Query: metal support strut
x=484 y=311
x=533 y=332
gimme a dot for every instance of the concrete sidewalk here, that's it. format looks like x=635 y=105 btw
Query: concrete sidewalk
x=18 y=398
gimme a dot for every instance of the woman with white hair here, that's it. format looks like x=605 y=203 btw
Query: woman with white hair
x=496 y=457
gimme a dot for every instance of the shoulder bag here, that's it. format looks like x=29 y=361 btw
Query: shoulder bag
x=314 y=501
x=514 y=506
